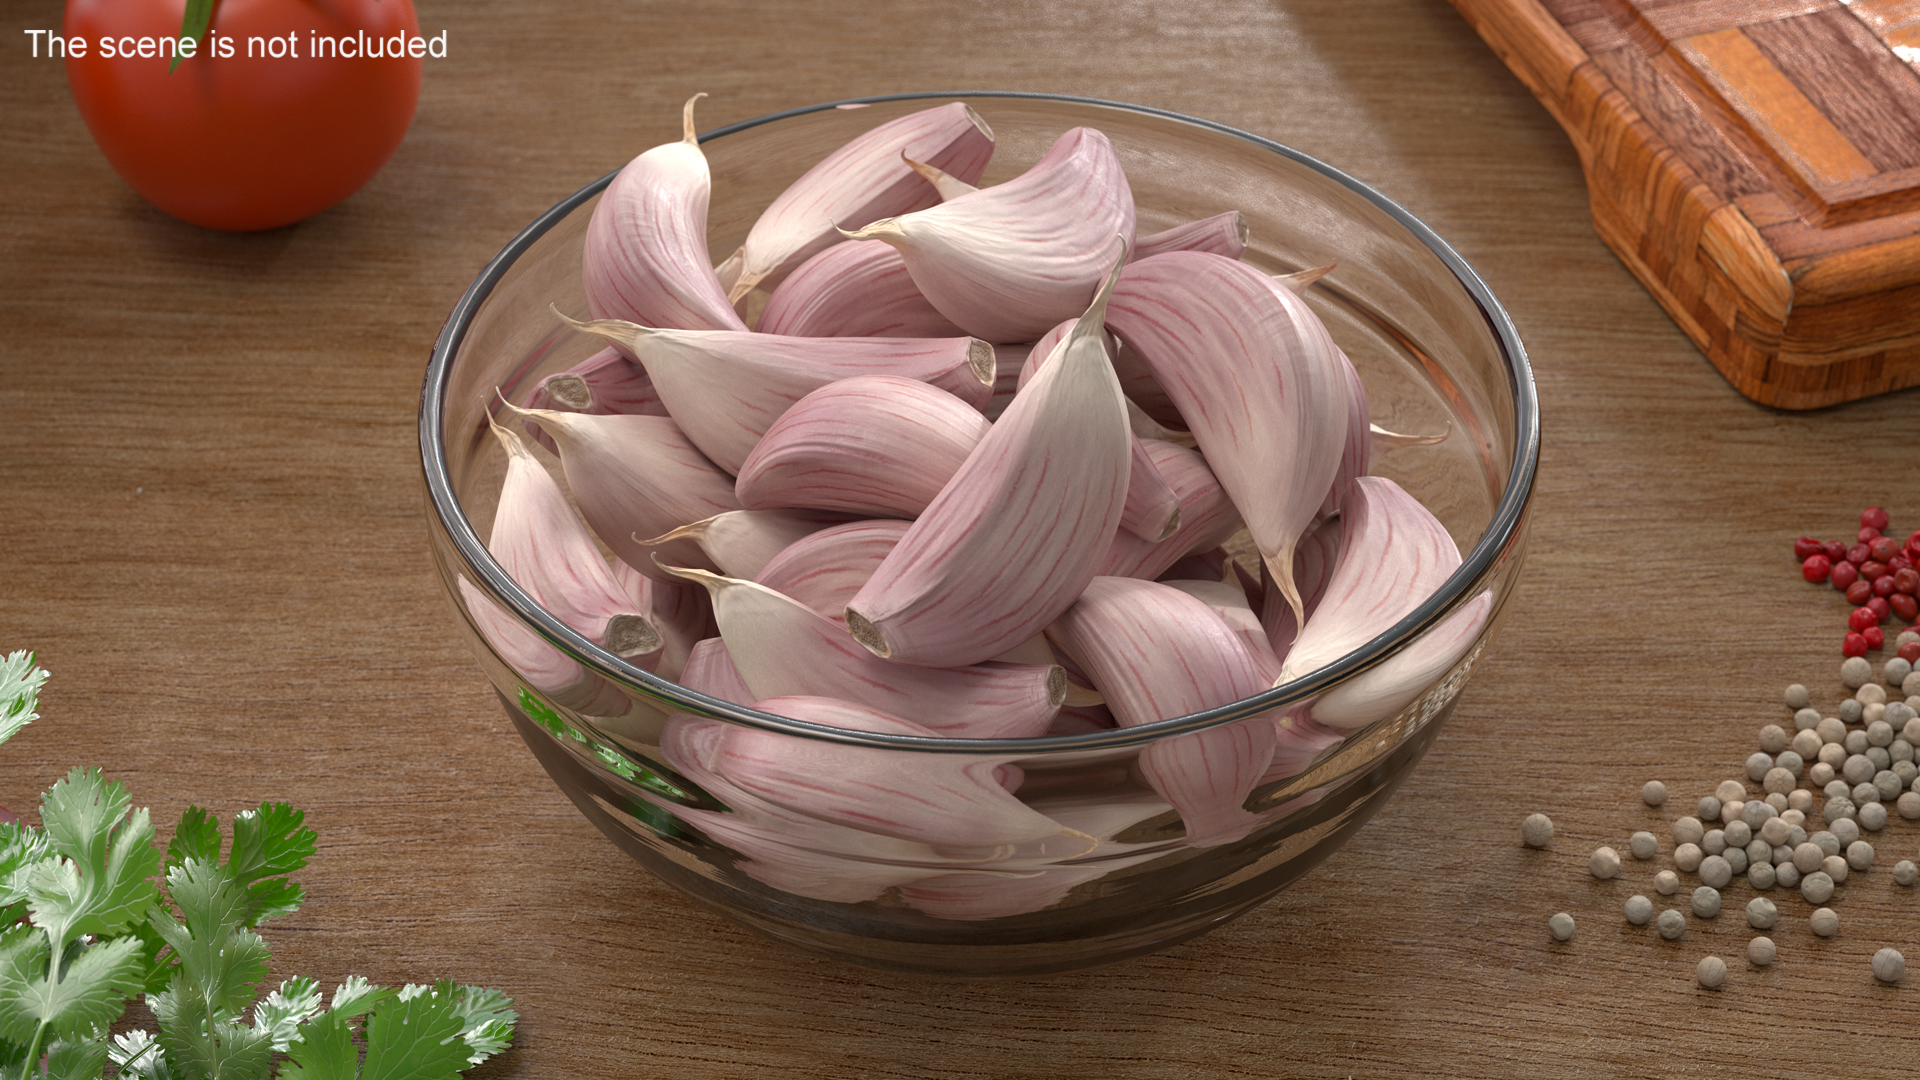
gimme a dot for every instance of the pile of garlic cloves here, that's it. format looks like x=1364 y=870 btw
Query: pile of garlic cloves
x=969 y=475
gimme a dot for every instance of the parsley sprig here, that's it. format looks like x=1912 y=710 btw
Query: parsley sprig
x=106 y=920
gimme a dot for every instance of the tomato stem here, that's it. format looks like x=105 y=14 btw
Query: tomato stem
x=193 y=24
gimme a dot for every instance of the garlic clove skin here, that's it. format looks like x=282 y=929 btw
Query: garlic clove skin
x=543 y=545
x=783 y=648
x=1207 y=516
x=634 y=478
x=1313 y=562
x=739 y=542
x=679 y=611
x=1008 y=262
x=875 y=445
x=945 y=183
x=605 y=383
x=1229 y=601
x=725 y=388
x=1015 y=535
x=558 y=677
x=1393 y=555
x=857 y=288
x=710 y=670
x=1356 y=457
x=1222 y=234
x=1395 y=683
x=865 y=179
x=645 y=257
x=1300 y=281
x=1258 y=380
x=825 y=570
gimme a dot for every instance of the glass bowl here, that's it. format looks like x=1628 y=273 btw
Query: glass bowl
x=1437 y=355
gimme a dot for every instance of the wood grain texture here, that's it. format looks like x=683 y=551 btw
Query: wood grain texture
x=1679 y=111
x=213 y=534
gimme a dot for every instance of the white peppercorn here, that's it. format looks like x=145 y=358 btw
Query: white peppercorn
x=1736 y=834
x=1706 y=901
x=1905 y=873
x=1797 y=696
x=1756 y=812
x=1833 y=755
x=1537 y=830
x=1711 y=971
x=1643 y=845
x=1807 y=857
x=1855 y=671
x=1773 y=739
x=1910 y=731
x=1805 y=743
x=1688 y=830
x=1761 y=875
x=1817 y=887
x=1820 y=775
x=1880 y=758
x=1889 y=965
x=1759 y=851
x=1604 y=863
x=1800 y=800
x=1796 y=816
x=1666 y=883
x=1910 y=686
x=1714 y=842
x=1872 y=817
x=1779 y=781
x=1730 y=791
x=1796 y=835
x=1732 y=810
x=1783 y=853
x=1844 y=833
x=1895 y=671
x=1786 y=875
x=1874 y=713
x=1760 y=952
x=1827 y=842
x=1837 y=810
x=1862 y=794
x=1887 y=783
x=1906 y=636
x=1653 y=793
x=1909 y=805
x=1708 y=809
x=1806 y=719
x=1831 y=730
x=1870 y=694
x=1761 y=913
x=1859 y=855
x=1898 y=713
x=1775 y=801
x=1671 y=924
x=1560 y=926
x=1851 y=710
x=1835 y=867
x=1688 y=857
x=1905 y=771
x=1758 y=763
x=1824 y=922
x=1775 y=832
x=1639 y=910
x=1736 y=861
x=1900 y=749
x=1879 y=733
x=1837 y=789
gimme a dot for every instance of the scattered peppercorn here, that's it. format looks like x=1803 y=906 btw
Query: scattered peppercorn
x=1560 y=926
x=1760 y=952
x=1824 y=922
x=1537 y=830
x=1653 y=793
x=1639 y=910
x=1889 y=965
x=1711 y=972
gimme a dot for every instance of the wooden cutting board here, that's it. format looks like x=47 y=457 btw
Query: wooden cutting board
x=1756 y=163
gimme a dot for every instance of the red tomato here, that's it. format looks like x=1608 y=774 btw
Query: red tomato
x=233 y=141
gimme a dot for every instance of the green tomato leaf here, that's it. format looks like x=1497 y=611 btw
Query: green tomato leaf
x=416 y=1038
x=19 y=693
x=77 y=1059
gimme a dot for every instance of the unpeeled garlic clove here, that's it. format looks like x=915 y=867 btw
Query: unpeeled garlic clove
x=725 y=388
x=645 y=257
x=710 y=670
x=558 y=677
x=783 y=648
x=1222 y=234
x=1229 y=601
x=605 y=383
x=1258 y=380
x=543 y=545
x=875 y=445
x=865 y=179
x=945 y=183
x=1015 y=535
x=739 y=542
x=826 y=569
x=1393 y=555
x=1207 y=516
x=1393 y=684
x=679 y=611
x=1008 y=362
x=857 y=288
x=1356 y=457
x=1301 y=280
x=635 y=477
x=1314 y=558
x=1008 y=262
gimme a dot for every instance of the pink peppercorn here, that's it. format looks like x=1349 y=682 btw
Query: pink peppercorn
x=1906 y=580
x=1872 y=570
x=1875 y=637
x=1879 y=606
x=1859 y=592
x=1857 y=554
x=1874 y=518
x=1883 y=548
x=1844 y=574
x=1883 y=585
x=1910 y=652
x=1867 y=535
x=1861 y=618
x=1904 y=606
x=1853 y=645
x=1806 y=546
x=1836 y=551
x=1816 y=568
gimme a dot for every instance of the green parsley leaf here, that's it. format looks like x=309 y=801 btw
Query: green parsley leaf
x=91 y=993
x=197 y=836
x=19 y=693
x=107 y=883
x=77 y=1059
x=416 y=1038
x=488 y=1021
x=137 y=1053
x=325 y=1051
x=21 y=846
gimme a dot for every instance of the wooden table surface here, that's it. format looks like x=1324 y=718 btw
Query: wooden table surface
x=211 y=530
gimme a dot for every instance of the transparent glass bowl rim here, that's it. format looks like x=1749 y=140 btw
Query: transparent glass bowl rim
x=1507 y=519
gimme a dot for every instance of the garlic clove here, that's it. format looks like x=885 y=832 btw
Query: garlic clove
x=543 y=545
x=1009 y=361
x=739 y=542
x=1207 y=516
x=1299 y=742
x=605 y=383
x=865 y=179
x=783 y=648
x=876 y=446
x=710 y=670
x=1395 y=683
x=1301 y=280
x=1356 y=456
x=726 y=388
x=1014 y=536
x=1222 y=234
x=558 y=677
x=645 y=256
x=679 y=611
x=1258 y=379
x=1229 y=601
x=826 y=569
x=1393 y=555
x=1008 y=262
x=947 y=801
x=1313 y=561
x=945 y=183
x=636 y=477
x=858 y=288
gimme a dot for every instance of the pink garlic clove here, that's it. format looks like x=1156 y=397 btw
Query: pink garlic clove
x=945 y=183
x=679 y=611
x=645 y=257
x=725 y=389
x=1229 y=601
x=1313 y=561
x=1014 y=536
x=783 y=648
x=605 y=383
x=634 y=478
x=1395 y=683
x=1207 y=516
x=876 y=446
x=1257 y=378
x=825 y=570
x=542 y=544
x=558 y=677
x=1008 y=262
x=1222 y=234
x=865 y=179
x=739 y=542
x=1356 y=457
x=857 y=288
